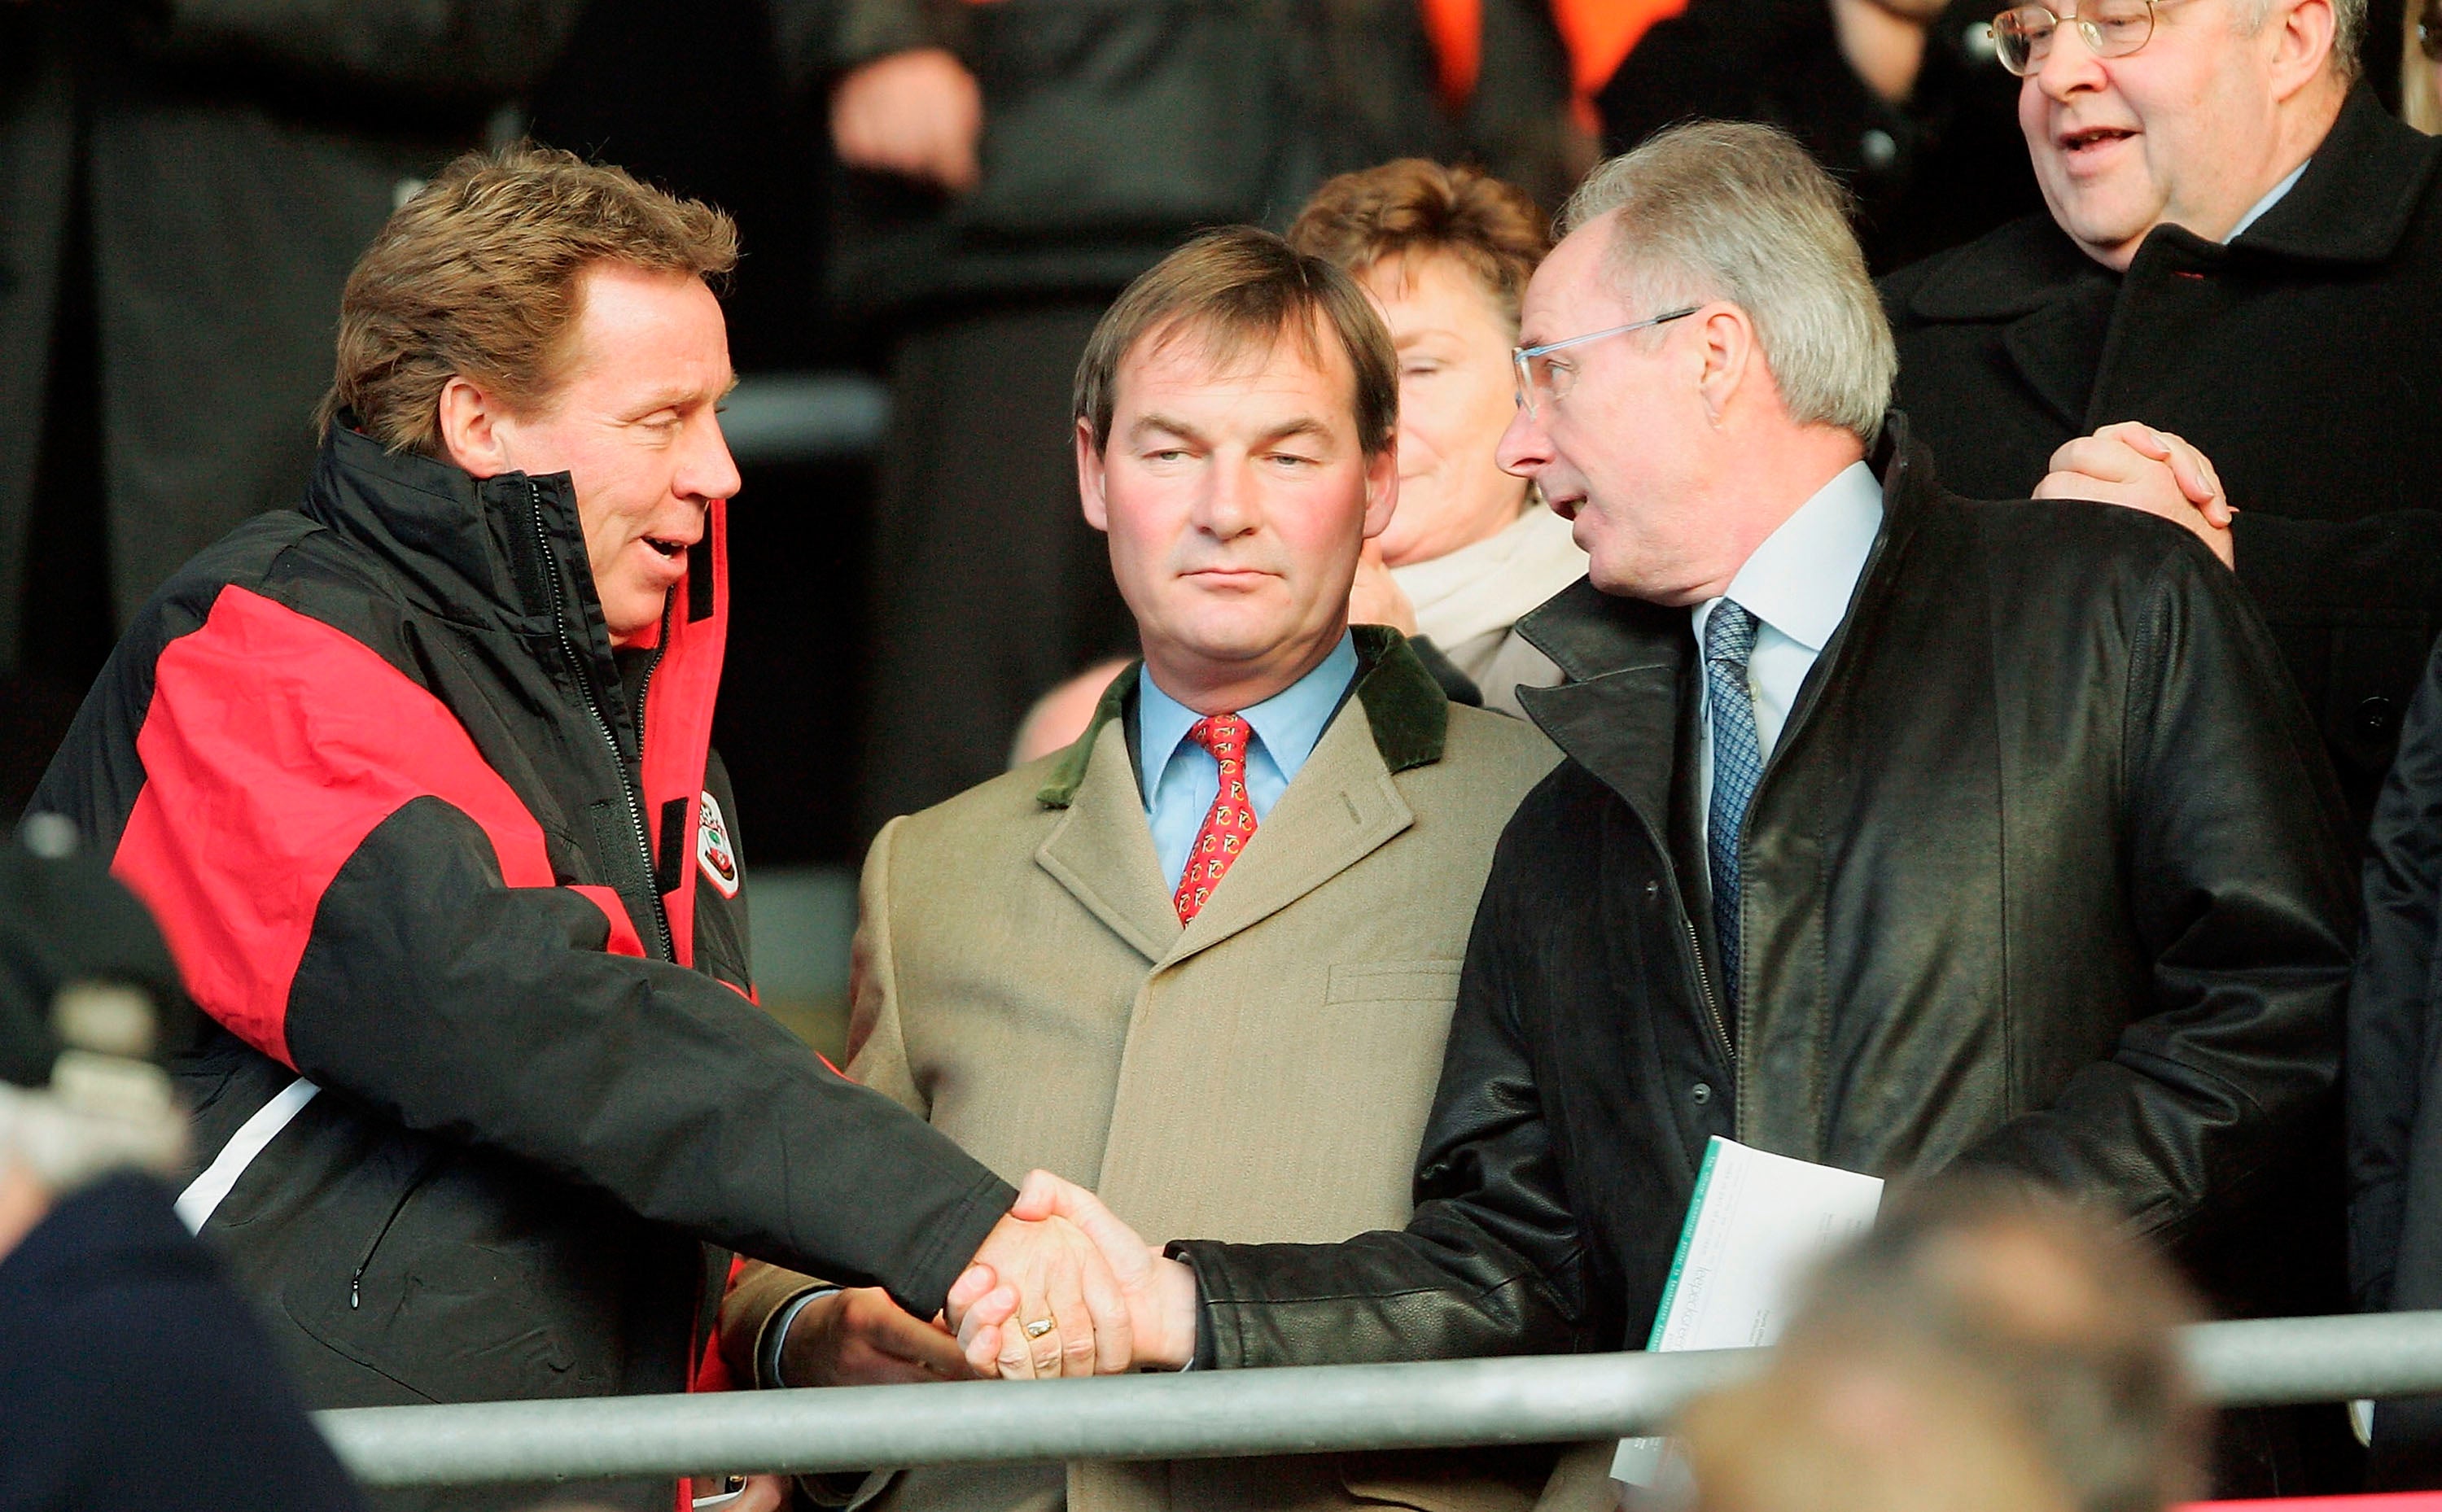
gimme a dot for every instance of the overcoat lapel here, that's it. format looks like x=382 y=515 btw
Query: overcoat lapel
x=1341 y=809
x=1101 y=850
x=2058 y=348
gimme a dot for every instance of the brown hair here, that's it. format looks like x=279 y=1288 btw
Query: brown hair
x=1241 y=290
x=477 y=277
x=1412 y=206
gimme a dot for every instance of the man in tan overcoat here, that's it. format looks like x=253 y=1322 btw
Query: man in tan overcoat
x=1203 y=960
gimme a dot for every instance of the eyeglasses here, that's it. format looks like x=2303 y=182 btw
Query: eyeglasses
x=2022 y=37
x=1540 y=378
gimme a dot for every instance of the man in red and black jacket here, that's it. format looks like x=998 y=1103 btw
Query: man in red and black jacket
x=418 y=780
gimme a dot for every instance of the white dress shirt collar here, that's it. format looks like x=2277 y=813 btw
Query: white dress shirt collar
x=1799 y=581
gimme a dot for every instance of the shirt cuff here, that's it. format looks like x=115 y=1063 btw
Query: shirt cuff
x=775 y=1336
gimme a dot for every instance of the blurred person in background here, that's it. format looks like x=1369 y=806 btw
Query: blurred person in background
x=2232 y=317
x=1444 y=252
x=132 y=1375
x=184 y=185
x=1204 y=958
x=1903 y=99
x=1977 y=1330
x=2420 y=67
x=1016 y=164
x=418 y=779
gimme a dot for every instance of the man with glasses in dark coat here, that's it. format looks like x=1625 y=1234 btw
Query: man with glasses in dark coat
x=2241 y=276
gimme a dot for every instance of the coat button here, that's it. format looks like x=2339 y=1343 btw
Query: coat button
x=2374 y=719
x=1878 y=148
x=1653 y=890
x=1702 y=1092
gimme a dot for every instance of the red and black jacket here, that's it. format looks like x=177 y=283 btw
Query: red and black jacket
x=417 y=835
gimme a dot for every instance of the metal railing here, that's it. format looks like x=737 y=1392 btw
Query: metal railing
x=1308 y=1410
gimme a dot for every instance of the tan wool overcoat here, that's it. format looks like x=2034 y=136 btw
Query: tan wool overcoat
x=1263 y=1074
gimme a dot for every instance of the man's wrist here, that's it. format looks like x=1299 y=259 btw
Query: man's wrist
x=1181 y=1308
x=769 y=1358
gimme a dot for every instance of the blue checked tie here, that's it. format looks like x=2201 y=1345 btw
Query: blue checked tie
x=1737 y=763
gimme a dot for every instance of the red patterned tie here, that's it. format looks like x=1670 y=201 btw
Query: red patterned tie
x=1229 y=826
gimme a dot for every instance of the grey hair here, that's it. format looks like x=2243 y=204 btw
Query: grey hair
x=1717 y=210
x=2348 y=32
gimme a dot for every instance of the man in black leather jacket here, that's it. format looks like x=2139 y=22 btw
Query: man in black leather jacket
x=2039 y=869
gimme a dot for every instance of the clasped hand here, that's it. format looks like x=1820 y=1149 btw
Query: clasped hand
x=1059 y=1287
x=2141 y=467
x=1145 y=1319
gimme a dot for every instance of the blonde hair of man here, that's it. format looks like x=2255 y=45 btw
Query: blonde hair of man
x=479 y=275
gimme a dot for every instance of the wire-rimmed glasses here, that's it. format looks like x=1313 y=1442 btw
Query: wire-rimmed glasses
x=2022 y=36
x=1540 y=378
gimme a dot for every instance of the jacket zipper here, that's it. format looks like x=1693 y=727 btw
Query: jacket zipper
x=601 y=727
x=1704 y=988
x=414 y=1184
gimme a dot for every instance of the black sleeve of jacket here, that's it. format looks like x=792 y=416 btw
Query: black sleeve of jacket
x=493 y=1015
x=2391 y=998
x=2240 y=884
x=1490 y=1262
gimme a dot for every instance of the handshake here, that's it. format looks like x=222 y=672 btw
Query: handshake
x=1061 y=1288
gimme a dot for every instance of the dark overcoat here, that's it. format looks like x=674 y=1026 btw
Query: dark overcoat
x=2304 y=358
x=2395 y=1084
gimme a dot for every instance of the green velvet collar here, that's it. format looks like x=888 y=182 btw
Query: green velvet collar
x=1404 y=708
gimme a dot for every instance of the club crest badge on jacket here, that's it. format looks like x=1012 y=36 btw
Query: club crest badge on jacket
x=713 y=852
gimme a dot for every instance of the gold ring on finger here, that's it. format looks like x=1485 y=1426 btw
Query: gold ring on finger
x=1039 y=1327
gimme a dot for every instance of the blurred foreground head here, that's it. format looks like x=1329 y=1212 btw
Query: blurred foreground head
x=89 y=1002
x=1983 y=1346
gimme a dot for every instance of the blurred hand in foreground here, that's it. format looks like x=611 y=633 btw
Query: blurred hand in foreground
x=1159 y=1293
x=917 y=114
x=1049 y=1288
x=2138 y=466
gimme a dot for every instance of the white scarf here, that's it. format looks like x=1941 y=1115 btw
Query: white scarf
x=1490 y=585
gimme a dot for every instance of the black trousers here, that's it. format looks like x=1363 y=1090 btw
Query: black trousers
x=989 y=587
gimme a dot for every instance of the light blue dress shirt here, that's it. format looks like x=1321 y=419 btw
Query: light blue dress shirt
x=2272 y=197
x=1797 y=585
x=1180 y=778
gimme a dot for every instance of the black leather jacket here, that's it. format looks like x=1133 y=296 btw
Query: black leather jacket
x=2045 y=873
